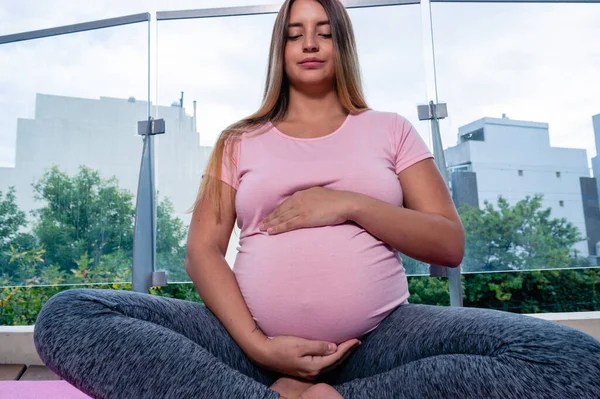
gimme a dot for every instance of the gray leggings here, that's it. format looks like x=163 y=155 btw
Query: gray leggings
x=121 y=344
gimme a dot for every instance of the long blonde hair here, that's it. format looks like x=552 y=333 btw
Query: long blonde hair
x=276 y=95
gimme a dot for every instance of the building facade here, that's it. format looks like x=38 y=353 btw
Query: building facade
x=510 y=158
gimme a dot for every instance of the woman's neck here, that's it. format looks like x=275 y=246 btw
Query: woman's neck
x=305 y=105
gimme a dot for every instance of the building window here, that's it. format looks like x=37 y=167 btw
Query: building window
x=561 y=203
x=557 y=174
x=477 y=135
x=464 y=168
x=520 y=172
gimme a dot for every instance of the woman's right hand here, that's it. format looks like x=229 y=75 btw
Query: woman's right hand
x=299 y=357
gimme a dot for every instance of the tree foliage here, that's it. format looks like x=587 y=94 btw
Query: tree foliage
x=519 y=237
x=12 y=237
x=83 y=214
x=81 y=233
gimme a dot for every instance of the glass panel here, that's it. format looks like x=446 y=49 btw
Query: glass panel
x=226 y=78
x=391 y=60
x=530 y=291
x=70 y=155
x=521 y=85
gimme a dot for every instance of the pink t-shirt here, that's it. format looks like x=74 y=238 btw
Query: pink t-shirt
x=328 y=283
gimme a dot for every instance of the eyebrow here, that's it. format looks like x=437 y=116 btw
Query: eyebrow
x=300 y=24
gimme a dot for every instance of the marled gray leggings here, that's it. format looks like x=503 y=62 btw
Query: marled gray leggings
x=120 y=344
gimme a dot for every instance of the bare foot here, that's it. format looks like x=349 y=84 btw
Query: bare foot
x=290 y=388
x=321 y=391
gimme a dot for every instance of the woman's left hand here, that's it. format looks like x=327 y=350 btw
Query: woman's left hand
x=314 y=207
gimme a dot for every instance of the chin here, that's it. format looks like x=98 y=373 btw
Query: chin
x=312 y=81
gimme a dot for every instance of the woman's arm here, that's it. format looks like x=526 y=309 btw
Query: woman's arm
x=216 y=284
x=428 y=228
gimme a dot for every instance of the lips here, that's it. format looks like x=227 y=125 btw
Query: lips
x=312 y=60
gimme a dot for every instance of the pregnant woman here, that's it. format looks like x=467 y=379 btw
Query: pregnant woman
x=325 y=192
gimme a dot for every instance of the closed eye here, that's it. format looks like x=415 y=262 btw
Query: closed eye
x=323 y=35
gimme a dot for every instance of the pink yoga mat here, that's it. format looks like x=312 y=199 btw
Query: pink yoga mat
x=39 y=389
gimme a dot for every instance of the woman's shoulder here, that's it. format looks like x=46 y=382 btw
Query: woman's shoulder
x=249 y=132
x=381 y=116
x=383 y=119
x=242 y=135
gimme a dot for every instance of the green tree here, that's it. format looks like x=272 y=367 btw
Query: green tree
x=86 y=228
x=12 y=237
x=112 y=268
x=519 y=237
x=83 y=215
x=26 y=265
x=170 y=241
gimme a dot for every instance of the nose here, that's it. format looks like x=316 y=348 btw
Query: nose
x=310 y=44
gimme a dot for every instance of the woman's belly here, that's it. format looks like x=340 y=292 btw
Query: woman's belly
x=329 y=283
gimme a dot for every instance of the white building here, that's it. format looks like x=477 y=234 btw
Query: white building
x=514 y=159
x=102 y=134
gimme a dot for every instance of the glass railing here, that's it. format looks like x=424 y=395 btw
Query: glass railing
x=519 y=81
x=71 y=154
x=520 y=84
x=392 y=68
x=213 y=86
x=209 y=86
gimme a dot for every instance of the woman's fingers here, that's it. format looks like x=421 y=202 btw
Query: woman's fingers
x=284 y=207
x=281 y=217
x=298 y=357
x=318 y=363
x=317 y=348
x=287 y=225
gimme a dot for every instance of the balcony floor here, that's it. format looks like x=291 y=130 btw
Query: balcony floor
x=12 y=372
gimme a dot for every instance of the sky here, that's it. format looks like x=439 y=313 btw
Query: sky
x=535 y=62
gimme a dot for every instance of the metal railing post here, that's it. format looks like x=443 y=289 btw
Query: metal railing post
x=144 y=275
x=434 y=112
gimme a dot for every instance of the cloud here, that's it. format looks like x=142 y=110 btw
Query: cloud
x=220 y=63
x=89 y=64
x=535 y=62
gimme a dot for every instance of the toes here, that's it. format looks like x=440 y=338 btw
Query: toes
x=321 y=391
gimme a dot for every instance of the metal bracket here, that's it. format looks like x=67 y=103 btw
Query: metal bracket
x=151 y=127
x=159 y=279
x=431 y=111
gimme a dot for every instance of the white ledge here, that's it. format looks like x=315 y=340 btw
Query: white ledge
x=16 y=329
x=16 y=346
x=567 y=316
